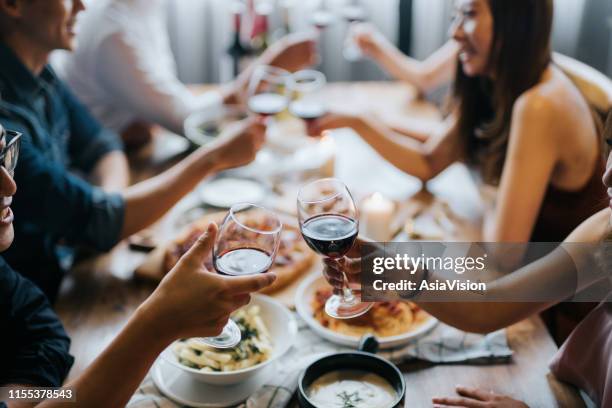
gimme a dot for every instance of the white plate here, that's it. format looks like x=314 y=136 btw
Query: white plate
x=183 y=389
x=283 y=330
x=225 y=192
x=303 y=298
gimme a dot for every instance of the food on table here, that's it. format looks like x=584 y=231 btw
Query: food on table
x=292 y=259
x=254 y=348
x=384 y=319
x=351 y=389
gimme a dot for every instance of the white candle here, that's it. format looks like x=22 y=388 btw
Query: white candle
x=376 y=217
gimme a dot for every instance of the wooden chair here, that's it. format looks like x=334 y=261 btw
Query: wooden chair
x=595 y=86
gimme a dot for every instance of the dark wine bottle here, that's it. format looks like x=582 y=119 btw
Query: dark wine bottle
x=236 y=51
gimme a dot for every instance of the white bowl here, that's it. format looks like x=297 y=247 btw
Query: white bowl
x=303 y=299
x=283 y=330
x=215 y=115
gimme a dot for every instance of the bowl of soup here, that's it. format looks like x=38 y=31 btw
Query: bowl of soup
x=356 y=379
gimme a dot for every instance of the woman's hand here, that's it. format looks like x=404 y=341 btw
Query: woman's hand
x=239 y=144
x=334 y=270
x=475 y=398
x=332 y=120
x=194 y=302
x=370 y=40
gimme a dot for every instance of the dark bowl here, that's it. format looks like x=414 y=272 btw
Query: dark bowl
x=357 y=360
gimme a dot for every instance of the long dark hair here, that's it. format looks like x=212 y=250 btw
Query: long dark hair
x=520 y=52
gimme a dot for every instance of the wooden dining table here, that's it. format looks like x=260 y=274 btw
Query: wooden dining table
x=100 y=294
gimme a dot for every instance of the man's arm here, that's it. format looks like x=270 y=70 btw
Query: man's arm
x=111 y=172
x=96 y=151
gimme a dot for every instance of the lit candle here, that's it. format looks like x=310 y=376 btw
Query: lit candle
x=327 y=147
x=376 y=217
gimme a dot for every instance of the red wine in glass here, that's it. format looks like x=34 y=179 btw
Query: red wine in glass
x=267 y=104
x=307 y=110
x=243 y=261
x=330 y=235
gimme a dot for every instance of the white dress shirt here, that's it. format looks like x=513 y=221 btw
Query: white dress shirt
x=123 y=68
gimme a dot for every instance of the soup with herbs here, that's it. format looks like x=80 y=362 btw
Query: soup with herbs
x=351 y=389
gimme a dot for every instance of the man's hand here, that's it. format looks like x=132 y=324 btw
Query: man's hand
x=293 y=52
x=194 y=302
x=239 y=144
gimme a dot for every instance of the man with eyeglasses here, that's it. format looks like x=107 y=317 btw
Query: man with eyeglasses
x=58 y=209
x=34 y=347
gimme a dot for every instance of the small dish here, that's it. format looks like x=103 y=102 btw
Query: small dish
x=180 y=387
x=225 y=192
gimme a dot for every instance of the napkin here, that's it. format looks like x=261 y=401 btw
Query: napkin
x=443 y=345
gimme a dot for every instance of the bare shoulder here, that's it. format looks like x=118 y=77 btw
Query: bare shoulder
x=593 y=229
x=552 y=104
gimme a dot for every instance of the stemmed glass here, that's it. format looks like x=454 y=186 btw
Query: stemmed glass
x=329 y=223
x=246 y=244
x=267 y=92
x=308 y=103
x=322 y=17
x=354 y=14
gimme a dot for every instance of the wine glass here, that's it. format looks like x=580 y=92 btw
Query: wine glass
x=246 y=244
x=329 y=224
x=308 y=103
x=267 y=92
x=322 y=18
x=354 y=14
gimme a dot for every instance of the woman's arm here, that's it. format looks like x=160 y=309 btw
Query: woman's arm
x=553 y=278
x=437 y=70
x=424 y=160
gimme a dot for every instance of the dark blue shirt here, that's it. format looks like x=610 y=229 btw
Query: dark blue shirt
x=34 y=348
x=54 y=208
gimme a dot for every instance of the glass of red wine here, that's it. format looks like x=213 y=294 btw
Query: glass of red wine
x=267 y=92
x=329 y=224
x=246 y=244
x=307 y=101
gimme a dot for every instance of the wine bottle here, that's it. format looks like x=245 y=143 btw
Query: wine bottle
x=236 y=51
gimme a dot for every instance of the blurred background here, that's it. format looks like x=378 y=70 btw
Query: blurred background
x=202 y=30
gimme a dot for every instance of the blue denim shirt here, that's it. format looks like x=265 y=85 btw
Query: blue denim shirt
x=35 y=346
x=54 y=208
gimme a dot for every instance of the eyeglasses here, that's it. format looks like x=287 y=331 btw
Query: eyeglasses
x=10 y=152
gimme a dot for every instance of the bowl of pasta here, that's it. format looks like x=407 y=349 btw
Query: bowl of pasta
x=268 y=331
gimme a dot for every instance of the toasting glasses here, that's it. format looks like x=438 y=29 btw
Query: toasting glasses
x=329 y=224
x=247 y=243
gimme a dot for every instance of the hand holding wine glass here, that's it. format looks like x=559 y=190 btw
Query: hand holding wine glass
x=329 y=223
x=238 y=144
x=246 y=244
x=180 y=307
